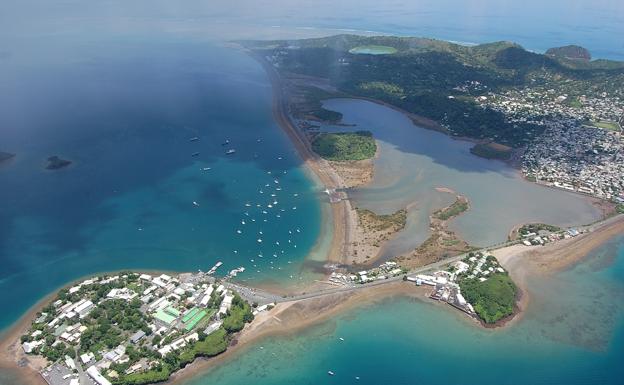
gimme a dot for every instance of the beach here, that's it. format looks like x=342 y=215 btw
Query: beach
x=343 y=219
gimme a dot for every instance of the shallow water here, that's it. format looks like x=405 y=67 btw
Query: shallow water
x=572 y=333
x=413 y=161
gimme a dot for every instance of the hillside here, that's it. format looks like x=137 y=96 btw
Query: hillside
x=442 y=81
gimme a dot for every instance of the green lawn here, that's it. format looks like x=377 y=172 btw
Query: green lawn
x=345 y=146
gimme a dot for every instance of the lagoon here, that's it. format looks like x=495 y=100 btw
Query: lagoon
x=373 y=50
x=413 y=161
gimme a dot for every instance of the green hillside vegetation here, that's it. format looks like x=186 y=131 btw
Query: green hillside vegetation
x=492 y=299
x=426 y=76
x=344 y=146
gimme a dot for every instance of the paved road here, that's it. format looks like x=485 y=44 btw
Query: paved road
x=263 y=297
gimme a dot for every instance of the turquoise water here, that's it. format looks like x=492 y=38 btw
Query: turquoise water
x=124 y=114
x=572 y=333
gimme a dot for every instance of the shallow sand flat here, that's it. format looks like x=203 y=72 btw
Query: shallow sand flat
x=414 y=161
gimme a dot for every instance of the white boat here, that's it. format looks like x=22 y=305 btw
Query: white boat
x=230 y=151
x=259 y=240
x=195 y=203
x=206 y=168
x=247 y=204
x=331 y=373
x=194 y=139
x=238 y=231
x=341 y=339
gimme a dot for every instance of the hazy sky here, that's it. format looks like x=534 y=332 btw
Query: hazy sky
x=537 y=24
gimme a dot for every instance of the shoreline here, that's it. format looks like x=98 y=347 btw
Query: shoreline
x=290 y=317
x=420 y=121
x=343 y=224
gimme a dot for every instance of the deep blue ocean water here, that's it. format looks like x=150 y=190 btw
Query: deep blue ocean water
x=124 y=114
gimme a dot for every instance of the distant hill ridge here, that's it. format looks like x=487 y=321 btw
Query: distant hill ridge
x=506 y=54
x=448 y=83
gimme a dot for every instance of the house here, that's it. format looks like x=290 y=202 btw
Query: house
x=138 y=336
x=97 y=377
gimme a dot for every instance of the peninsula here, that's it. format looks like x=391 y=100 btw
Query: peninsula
x=132 y=328
x=141 y=328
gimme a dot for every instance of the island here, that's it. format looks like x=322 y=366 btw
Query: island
x=5 y=156
x=56 y=163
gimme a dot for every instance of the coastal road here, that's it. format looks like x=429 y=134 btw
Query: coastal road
x=264 y=297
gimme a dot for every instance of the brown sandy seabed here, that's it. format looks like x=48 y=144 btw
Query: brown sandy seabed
x=290 y=317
